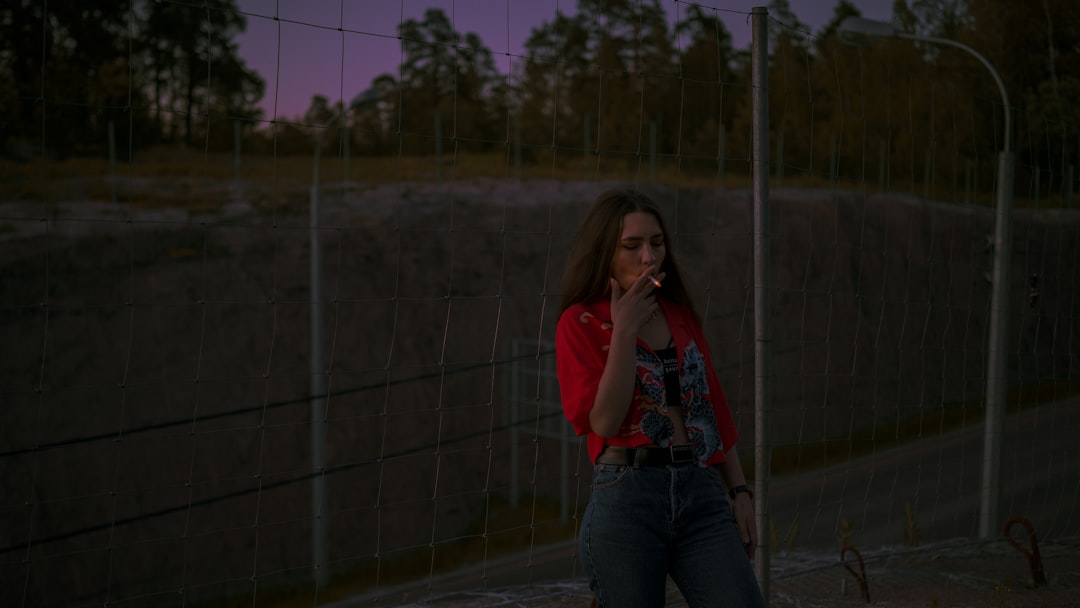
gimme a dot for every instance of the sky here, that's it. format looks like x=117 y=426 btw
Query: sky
x=336 y=48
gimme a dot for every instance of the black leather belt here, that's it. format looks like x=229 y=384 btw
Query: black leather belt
x=646 y=457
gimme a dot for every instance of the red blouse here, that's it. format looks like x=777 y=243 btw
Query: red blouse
x=582 y=339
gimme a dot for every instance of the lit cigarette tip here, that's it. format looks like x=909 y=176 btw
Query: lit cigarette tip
x=654 y=280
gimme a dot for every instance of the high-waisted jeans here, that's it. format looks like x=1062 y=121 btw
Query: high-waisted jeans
x=644 y=524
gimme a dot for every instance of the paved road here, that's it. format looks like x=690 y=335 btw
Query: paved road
x=936 y=480
x=939 y=479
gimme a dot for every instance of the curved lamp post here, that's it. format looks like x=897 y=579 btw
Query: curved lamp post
x=855 y=30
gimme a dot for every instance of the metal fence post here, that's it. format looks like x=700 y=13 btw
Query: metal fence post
x=762 y=332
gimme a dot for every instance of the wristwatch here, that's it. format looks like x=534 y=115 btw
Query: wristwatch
x=733 y=492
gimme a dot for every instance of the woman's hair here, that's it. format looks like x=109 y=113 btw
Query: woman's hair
x=588 y=266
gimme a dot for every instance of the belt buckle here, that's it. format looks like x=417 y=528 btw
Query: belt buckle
x=682 y=453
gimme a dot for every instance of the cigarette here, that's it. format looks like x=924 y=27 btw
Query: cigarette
x=654 y=280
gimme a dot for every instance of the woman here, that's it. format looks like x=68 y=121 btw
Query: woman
x=637 y=380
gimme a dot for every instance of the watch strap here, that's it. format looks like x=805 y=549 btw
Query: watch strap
x=743 y=489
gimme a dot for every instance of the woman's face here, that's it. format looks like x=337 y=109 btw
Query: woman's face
x=641 y=248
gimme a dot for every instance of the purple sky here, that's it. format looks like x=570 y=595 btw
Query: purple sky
x=304 y=53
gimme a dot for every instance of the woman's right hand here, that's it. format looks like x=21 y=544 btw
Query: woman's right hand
x=631 y=309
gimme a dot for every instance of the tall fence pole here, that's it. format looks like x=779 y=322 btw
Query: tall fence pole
x=318 y=386
x=112 y=159
x=762 y=332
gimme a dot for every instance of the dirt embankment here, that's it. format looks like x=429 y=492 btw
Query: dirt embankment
x=156 y=376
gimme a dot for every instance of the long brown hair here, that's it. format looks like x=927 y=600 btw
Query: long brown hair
x=588 y=266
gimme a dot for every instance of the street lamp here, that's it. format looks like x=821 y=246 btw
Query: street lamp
x=855 y=30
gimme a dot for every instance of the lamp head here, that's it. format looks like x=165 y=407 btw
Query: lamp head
x=858 y=31
x=363 y=98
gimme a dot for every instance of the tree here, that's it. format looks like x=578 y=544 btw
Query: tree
x=1036 y=49
x=444 y=75
x=611 y=67
x=185 y=45
x=793 y=110
x=633 y=53
x=550 y=88
x=708 y=95
x=853 y=110
x=52 y=54
x=76 y=67
x=939 y=18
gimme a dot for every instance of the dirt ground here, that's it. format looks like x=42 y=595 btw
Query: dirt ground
x=959 y=574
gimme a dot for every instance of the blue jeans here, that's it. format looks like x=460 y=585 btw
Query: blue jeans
x=644 y=524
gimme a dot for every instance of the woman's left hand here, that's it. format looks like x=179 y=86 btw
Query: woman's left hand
x=743 y=510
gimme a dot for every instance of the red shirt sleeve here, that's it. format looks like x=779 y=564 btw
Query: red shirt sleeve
x=580 y=356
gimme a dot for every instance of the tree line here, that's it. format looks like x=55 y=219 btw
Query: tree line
x=158 y=71
x=613 y=78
